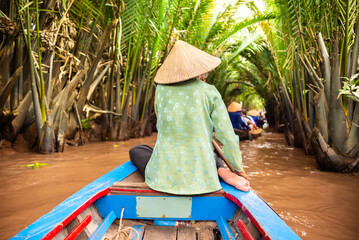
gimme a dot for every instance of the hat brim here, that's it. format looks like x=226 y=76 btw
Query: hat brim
x=185 y=62
x=234 y=107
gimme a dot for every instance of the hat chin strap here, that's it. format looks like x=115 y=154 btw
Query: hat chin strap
x=204 y=80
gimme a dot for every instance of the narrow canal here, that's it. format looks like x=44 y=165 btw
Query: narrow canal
x=316 y=205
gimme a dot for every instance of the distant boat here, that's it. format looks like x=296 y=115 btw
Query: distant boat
x=121 y=195
x=248 y=135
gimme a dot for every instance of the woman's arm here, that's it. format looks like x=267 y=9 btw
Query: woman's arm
x=224 y=132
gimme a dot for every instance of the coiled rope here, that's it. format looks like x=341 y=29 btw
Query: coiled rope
x=123 y=234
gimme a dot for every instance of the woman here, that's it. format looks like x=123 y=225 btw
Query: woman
x=248 y=120
x=188 y=110
x=234 y=112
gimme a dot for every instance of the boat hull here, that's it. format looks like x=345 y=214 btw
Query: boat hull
x=245 y=135
x=113 y=203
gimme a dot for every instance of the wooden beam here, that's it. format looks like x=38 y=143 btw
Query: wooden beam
x=79 y=228
x=223 y=226
x=102 y=228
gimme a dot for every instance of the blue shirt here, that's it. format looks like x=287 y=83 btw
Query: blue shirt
x=237 y=121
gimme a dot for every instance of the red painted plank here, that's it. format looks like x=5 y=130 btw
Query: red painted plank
x=244 y=230
x=133 y=190
x=78 y=229
x=61 y=225
x=122 y=189
x=244 y=209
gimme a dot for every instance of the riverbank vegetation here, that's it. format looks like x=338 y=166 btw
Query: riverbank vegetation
x=320 y=42
x=77 y=71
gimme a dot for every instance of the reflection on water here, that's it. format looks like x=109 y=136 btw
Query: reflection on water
x=317 y=205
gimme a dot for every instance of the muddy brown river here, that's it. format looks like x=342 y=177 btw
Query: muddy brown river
x=315 y=204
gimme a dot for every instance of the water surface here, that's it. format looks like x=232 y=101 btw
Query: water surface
x=316 y=205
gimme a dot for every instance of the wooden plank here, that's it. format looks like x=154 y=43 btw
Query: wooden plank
x=53 y=222
x=133 y=192
x=224 y=229
x=127 y=189
x=136 y=181
x=102 y=228
x=111 y=231
x=160 y=232
x=136 y=232
x=79 y=228
x=205 y=234
x=92 y=226
x=134 y=177
x=61 y=235
x=131 y=185
x=244 y=230
x=186 y=233
x=261 y=215
x=253 y=230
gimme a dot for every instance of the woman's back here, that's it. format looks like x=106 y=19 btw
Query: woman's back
x=182 y=161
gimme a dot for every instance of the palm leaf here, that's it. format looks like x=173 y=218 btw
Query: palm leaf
x=238 y=27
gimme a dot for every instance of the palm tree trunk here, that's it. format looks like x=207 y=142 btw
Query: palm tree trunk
x=117 y=101
x=300 y=129
x=338 y=127
x=35 y=95
x=8 y=87
x=321 y=114
x=47 y=142
x=104 y=124
x=5 y=56
x=327 y=158
x=85 y=88
x=288 y=107
x=14 y=97
x=326 y=70
x=311 y=115
x=22 y=109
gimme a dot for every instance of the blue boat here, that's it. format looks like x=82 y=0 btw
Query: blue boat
x=121 y=203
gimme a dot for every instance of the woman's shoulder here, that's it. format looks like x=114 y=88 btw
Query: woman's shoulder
x=190 y=85
x=207 y=87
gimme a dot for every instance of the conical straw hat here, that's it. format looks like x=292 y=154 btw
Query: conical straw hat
x=253 y=113
x=234 y=107
x=185 y=62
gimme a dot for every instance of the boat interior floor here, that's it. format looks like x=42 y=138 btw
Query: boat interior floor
x=195 y=230
x=135 y=227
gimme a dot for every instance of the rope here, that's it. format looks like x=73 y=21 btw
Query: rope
x=123 y=234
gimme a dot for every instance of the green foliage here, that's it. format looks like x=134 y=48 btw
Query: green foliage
x=351 y=88
x=315 y=50
x=249 y=98
x=118 y=46
x=85 y=123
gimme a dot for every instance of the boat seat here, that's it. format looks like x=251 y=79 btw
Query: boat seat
x=135 y=184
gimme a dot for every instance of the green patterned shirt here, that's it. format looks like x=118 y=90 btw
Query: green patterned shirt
x=182 y=161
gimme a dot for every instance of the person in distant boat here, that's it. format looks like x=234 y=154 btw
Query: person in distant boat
x=188 y=110
x=257 y=117
x=248 y=120
x=234 y=112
